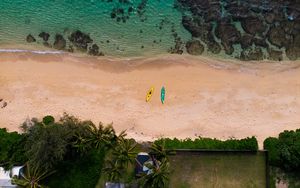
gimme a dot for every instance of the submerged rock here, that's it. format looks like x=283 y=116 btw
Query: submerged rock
x=229 y=35
x=253 y=25
x=45 y=36
x=80 y=40
x=194 y=47
x=94 y=50
x=275 y=55
x=30 y=38
x=250 y=54
x=260 y=42
x=246 y=41
x=70 y=49
x=191 y=26
x=277 y=37
x=214 y=47
x=269 y=17
x=46 y=44
x=60 y=42
x=293 y=49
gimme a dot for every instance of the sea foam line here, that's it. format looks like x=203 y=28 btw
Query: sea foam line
x=31 y=51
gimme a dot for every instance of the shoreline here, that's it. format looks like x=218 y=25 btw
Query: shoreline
x=209 y=98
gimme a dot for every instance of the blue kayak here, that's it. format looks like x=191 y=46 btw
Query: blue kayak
x=162 y=94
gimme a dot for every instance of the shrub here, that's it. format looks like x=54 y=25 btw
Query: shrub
x=48 y=120
x=83 y=171
x=211 y=144
x=284 y=151
x=11 y=149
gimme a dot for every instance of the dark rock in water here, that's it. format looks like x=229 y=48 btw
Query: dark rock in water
x=292 y=53
x=228 y=48
x=70 y=49
x=246 y=41
x=279 y=15
x=198 y=29
x=213 y=13
x=30 y=38
x=293 y=50
x=141 y=8
x=253 y=25
x=213 y=47
x=291 y=27
x=293 y=12
x=194 y=47
x=130 y=9
x=229 y=35
x=94 y=50
x=60 y=42
x=45 y=36
x=113 y=15
x=251 y=54
x=191 y=26
x=277 y=36
x=275 y=55
x=260 y=42
x=269 y=17
x=46 y=44
x=237 y=11
x=80 y=40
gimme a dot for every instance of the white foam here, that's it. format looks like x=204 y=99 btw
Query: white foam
x=31 y=51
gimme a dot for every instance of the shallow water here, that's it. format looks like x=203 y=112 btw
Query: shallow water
x=21 y=17
x=136 y=27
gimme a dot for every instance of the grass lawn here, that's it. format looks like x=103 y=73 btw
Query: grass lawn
x=212 y=169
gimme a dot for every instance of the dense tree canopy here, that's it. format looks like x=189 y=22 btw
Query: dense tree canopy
x=11 y=149
x=284 y=151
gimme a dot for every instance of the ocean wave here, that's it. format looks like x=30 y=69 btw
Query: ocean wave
x=31 y=51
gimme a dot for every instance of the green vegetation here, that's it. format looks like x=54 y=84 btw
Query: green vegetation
x=83 y=154
x=78 y=172
x=48 y=120
x=226 y=170
x=284 y=151
x=120 y=161
x=73 y=148
x=31 y=177
x=210 y=144
x=159 y=176
x=11 y=149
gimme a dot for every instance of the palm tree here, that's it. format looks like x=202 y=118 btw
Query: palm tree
x=158 y=150
x=124 y=153
x=81 y=144
x=31 y=178
x=158 y=176
x=113 y=171
x=101 y=136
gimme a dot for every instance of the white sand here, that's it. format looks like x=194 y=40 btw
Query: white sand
x=204 y=97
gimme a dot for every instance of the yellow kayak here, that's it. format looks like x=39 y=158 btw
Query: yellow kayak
x=149 y=94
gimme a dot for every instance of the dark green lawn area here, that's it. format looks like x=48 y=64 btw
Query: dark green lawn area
x=218 y=170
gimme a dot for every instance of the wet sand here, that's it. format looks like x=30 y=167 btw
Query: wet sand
x=204 y=96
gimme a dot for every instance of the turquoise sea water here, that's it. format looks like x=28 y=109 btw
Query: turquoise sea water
x=126 y=28
x=140 y=35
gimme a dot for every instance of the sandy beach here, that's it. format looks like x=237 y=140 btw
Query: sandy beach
x=204 y=97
